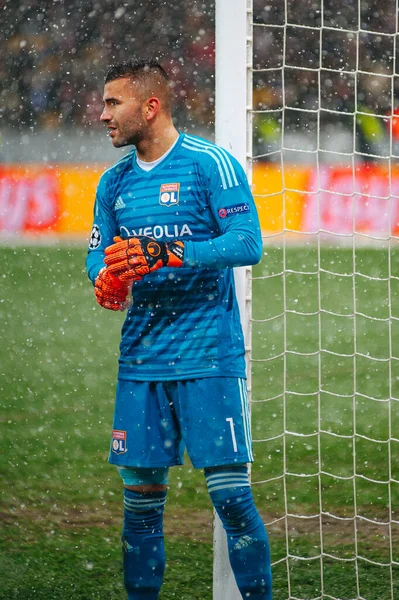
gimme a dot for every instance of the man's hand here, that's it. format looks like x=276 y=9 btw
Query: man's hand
x=135 y=257
x=110 y=292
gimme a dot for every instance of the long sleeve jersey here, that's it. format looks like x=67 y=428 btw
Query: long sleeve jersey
x=184 y=323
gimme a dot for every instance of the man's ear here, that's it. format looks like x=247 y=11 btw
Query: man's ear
x=151 y=108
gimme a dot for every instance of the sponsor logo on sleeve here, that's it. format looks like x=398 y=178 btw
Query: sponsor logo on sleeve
x=95 y=238
x=169 y=194
x=118 y=445
x=237 y=209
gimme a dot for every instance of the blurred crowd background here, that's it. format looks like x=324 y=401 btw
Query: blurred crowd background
x=55 y=54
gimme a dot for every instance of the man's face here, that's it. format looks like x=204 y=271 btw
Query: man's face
x=123 y=112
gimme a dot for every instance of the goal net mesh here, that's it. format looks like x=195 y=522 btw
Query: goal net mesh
x=325 y=313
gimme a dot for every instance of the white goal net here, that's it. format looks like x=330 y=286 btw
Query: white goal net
x=325 y=299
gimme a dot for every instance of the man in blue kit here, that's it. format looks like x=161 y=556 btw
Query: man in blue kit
x=171 y=220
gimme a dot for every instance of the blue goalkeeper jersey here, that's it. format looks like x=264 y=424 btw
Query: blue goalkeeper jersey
x=184 y=323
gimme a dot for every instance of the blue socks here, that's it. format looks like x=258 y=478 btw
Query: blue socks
x=247 y=541
x=143 y=544
x=230 y=492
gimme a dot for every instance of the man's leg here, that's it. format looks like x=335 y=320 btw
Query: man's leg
x=144 y=434
x=142 y=537
x=247 y=541
x=214 y=418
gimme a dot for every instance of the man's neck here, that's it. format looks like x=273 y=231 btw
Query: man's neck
x=157 y=145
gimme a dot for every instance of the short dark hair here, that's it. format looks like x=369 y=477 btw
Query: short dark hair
x=148 y=73
x=137 y=67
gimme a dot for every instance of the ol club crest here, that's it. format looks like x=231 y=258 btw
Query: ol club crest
x=169 y=194
x=118 y=444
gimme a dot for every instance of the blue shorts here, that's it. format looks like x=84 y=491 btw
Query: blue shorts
x=155 y=421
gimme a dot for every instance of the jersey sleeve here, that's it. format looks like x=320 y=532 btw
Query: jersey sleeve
x=239 y=242
x=103 y=231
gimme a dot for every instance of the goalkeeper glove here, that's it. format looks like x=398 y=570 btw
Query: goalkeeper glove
x=135 y=257
x=110 y=292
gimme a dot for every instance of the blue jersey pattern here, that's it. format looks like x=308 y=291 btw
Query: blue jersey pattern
x=184 y=323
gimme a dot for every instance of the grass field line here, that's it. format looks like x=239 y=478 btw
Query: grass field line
x=184 y=522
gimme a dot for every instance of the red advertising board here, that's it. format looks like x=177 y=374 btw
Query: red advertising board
x=29 y=200
x=363 y=200
x=41 y=200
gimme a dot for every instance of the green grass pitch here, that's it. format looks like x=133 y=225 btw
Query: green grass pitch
x=61 y=503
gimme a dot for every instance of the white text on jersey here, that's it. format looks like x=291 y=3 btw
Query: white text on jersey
x=159 y=231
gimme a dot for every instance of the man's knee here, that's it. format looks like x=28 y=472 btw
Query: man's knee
x=144 y=480
x=231 y=495
x=147 y=489
x=144 y=504
x=226 y=479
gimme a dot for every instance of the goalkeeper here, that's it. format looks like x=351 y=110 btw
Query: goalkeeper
x=171 y=219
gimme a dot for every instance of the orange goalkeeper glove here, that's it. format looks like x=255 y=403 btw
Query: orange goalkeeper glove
x=133 y=258
x=110 y=292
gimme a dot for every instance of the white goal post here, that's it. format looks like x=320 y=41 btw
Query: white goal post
x=233 y=101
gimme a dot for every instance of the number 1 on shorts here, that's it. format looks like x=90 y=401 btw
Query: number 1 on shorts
x=233 y=435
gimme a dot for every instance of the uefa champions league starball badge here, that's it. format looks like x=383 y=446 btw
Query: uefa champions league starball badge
x=95 y=238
